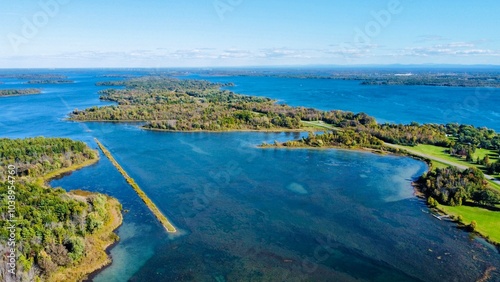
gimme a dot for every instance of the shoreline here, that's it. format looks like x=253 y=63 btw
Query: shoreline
x=43 y=180
x=90 y=276
x=459 y=224
x=17 y=95
x=284 y=130
x=277 y=130
x=416 y=187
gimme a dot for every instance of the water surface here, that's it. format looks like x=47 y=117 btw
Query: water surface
x=250 y=214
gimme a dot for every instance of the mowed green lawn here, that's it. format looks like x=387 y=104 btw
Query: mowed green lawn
x=488 y=222
x=440 y=152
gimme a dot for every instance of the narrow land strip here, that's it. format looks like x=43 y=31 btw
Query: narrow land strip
x=154 y=209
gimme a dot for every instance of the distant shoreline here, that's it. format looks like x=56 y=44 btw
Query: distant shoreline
x=19 y=92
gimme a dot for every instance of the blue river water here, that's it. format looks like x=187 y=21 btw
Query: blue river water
x=250 y=214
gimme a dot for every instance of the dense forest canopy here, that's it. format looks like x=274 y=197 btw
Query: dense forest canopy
x=49 y=81
x=17 y=92
x=451 y=186
x=37 y=156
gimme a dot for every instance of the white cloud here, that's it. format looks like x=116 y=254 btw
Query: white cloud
x=449 y=49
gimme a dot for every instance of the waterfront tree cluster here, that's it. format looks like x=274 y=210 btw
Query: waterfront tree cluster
x=183 y=105
x=341 y=139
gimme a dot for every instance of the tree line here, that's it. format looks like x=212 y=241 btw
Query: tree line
x=17 y=92
x=37 y=156
x=451 y=186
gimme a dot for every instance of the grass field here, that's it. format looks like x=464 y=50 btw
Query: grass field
x=488 y=222
x=436 y=164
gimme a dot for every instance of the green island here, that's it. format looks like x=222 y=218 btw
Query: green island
x=19 y=92
x=192 y=105
x=49 y=81
x=462 y=180
x=34 y=76
x=58 y=235
x=152 y=207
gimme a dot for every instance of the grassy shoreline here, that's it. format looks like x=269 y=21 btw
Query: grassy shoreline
x=152 y=207
x=43 y=181
x=485 y=219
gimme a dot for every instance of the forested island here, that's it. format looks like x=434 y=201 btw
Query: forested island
x=49 y=81
x=19 y=92
x=195 y=105
x=35 y=76
x=57 y=235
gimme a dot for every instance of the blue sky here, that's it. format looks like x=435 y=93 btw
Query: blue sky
x=199 y=33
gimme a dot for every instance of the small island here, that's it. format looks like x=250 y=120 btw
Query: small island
x=19 y=92
x=34 y=76
x=50 y=81
x=58 y=235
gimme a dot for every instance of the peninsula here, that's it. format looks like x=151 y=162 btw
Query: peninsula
x=63 y=235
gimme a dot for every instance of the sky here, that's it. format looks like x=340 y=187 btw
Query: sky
x=218 y=33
